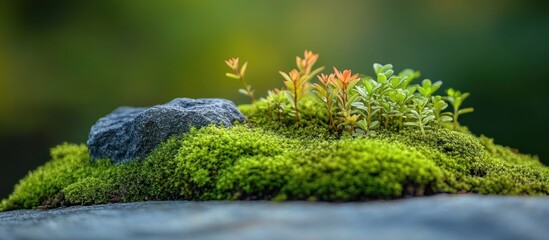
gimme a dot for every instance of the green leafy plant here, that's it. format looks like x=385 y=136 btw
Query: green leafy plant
x=456 y=98
x=421 y=115
x=439 y=105
x=277 y=104
x=368 y=105
x=239 y=75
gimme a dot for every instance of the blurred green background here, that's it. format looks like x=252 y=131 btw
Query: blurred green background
x=64 y=63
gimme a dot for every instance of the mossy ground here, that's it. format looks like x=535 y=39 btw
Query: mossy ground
x=271 y=159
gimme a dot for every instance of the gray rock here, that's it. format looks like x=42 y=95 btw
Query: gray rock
x=448 y=217
x=130 y=133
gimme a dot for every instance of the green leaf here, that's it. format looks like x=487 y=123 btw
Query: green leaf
x=466 y=110
x=285 y=76
x=362 y=124
x=243 y=92
x=451 y=92
x=361 y=91
x=414 y=112
x=377 y=68
x=381 y=78
x=421 y=91
x=290 y=98
x=446 y=119
x=464 y=96
x=428 y=119
x=231 y=75
x=243 y=69
x=395 y=81
x=315 y=72
x=374 y=124
x=387 y=67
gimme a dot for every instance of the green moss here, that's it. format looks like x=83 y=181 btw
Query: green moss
x=89 y=190
x=268 y=159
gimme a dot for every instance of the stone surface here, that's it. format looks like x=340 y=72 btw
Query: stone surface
x=440 y=217
x=129 y=133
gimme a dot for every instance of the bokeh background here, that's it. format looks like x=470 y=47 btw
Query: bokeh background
x=66 y=63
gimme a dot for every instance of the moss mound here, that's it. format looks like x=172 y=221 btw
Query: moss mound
x=285 y=163
x=343 y=141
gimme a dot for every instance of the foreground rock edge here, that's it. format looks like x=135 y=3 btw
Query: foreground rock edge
x=438 y=217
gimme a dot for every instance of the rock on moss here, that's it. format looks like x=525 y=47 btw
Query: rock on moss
x=129 y=133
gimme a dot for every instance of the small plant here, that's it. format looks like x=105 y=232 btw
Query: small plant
x=456 y=98
x=296 y=85
x=277 y=104
x=344 y=82
x=440 y=105
x=389 y=101
x=296 y=81
x=368 y=104
x=325 y=92
x=239 y=75
x=421 y=115
x=306 y=64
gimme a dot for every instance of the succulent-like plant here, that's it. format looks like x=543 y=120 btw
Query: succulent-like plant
x=456 y=98
x=439 y=105
x=238 y=74
x=368 y=104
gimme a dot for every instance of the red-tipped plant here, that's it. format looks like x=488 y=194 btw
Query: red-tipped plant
x=305 y=64
x=296 y=81
x=344 y=82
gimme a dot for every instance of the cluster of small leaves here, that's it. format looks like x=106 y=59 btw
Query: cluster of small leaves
x=358 y=106
x=392 y=102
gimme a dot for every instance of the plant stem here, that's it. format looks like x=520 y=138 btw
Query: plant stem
x=456 y=114
x=329 y=105
x=369 y=118
x=296 y=108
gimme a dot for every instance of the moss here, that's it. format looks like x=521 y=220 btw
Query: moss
x=268 y=159
x=89 y=190
x=69 y=163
